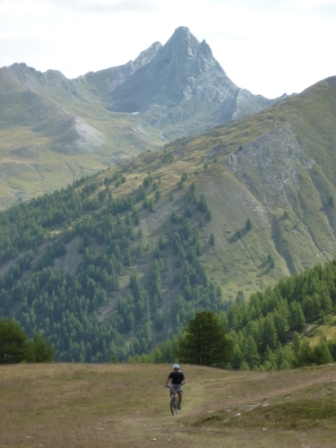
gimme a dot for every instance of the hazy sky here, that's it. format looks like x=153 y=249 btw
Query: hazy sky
x=266 y=46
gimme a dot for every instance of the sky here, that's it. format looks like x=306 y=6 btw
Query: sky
x=268 y=47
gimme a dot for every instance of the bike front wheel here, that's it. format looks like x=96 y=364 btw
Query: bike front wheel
x=174 y=405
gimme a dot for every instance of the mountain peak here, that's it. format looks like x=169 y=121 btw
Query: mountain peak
x=182 y=42
x=181 y=77
x=182 y=31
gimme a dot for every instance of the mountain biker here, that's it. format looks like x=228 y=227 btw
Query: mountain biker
x=177 y=380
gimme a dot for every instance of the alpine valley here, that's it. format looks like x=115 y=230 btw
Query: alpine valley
x=116 y=263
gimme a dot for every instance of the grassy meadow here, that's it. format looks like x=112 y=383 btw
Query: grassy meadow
x=125 y=405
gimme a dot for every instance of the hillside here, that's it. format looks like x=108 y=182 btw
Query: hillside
x=54 y=130
x=117 y=263
x=116 y=405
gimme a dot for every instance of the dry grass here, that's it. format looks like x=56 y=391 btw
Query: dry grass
x=125 y=405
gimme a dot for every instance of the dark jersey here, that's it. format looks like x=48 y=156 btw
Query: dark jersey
x=177 y=377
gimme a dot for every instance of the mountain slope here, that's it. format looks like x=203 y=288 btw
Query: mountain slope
x=283 y=163
x=108 y=80
x=121 y=260
x=54 y=130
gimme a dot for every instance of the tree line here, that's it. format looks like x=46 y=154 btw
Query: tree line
x=271 y=329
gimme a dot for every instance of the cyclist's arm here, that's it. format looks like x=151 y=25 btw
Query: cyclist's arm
x=167 y=381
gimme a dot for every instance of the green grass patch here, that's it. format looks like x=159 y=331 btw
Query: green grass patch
x=300 y=413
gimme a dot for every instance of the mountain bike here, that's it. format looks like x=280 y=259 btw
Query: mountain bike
x=174 y=403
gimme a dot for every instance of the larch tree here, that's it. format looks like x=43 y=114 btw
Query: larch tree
x=204 y=342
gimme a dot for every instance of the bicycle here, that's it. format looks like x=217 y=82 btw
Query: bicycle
x=174 y=403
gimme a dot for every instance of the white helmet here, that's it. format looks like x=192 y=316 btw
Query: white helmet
x=176 y=366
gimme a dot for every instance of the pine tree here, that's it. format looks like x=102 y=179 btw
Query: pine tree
x=269 y=359
x=42 y=350
x=321 y=353
x=237 y=357
x=204 y=342
x=269 y=333
x=297 y=319
x=284 y=357
x=304 y=356
x=13 y=342
x=248 y=225
x=296 y=343
x=250 y=352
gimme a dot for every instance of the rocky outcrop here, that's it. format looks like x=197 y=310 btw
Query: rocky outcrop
x=269 y=167
x=183 y=84
x=183 y=71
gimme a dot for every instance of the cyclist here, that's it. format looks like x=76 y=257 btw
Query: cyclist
x=177 y=380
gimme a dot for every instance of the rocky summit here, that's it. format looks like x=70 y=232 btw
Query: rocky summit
x=183 y=83
x=183 y=71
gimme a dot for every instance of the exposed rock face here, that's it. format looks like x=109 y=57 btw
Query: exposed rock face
x=268 y=166
x=77 y=137
x=183 y=81
x=182 y=71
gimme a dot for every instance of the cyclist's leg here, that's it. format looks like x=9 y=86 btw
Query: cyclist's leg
x=180 y=396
